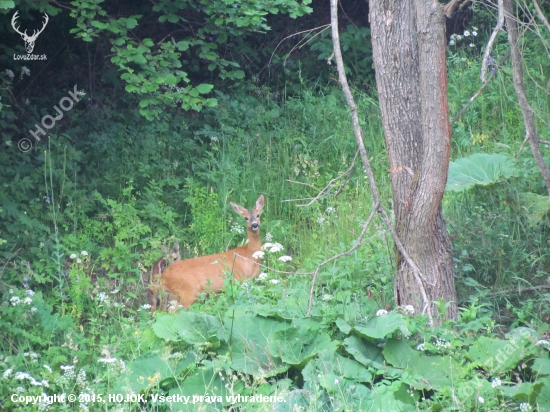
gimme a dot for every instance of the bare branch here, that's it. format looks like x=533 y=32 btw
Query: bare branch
x=489 y=45
x=326 y=190
x=541 y=16
x=478 y=93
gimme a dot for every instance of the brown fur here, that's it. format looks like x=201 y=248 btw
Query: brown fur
x=188 y=278
x=170 y=256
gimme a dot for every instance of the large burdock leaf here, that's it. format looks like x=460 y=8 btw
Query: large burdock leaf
x=478 y=169
x=190 y=327
x=303 y=341
x=534 y=206
x=249 y=342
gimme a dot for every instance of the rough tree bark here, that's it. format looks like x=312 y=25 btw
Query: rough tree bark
x=408 y=40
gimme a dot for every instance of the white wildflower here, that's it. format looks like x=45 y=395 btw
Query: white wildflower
x=285 y=258
x=451 y=43
x=27 y=300
x=145 y=306
x=277 y=247
x=336 y=381
x=474 y=33
x=24 y=71
x=102 y=297
x=524 y=407
x=267 y=245
x=381 y=312
x=421 y=347
x=274 y=281
x=326 y=297
x=48 y=368
x=73 y=256
x=78 y=260
x=262 y=276
x=258 y=254
x=458 y=37
x=320 y=220
x=496 y=383
x=330 y=210
x=268 y=237
x=15 y=300
x=84 y=253
x=471 y=45
x=480 y=399
x=7 y=373
x=33 y=309
x=9 y=73
x=466 y=33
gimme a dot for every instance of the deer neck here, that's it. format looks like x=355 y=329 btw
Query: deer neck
x=254 y=244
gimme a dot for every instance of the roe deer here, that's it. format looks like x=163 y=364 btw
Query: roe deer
x=188 y=278
x=170 y=256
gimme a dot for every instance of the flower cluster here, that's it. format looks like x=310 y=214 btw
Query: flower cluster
x=467 y=35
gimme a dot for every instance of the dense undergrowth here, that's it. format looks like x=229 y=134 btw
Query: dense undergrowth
x=84 y=215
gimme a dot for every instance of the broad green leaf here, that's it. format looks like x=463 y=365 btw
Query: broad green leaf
x=498 y=355
x=478 y=169
x=131 y=23
x=204 y=88
x=534 y=206
x=251 y=336
x=541 y=366
x=144 y=372
x=190 y=327
x=301 y=342
x=420 y=370
x=381 y=326
x=7 y=4
x=330 y=362
x=369 y=355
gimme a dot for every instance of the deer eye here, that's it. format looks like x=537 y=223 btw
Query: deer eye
x=245 y=218
x=258 y=216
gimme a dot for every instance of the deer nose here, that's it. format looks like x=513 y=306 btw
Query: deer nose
x=255 y=226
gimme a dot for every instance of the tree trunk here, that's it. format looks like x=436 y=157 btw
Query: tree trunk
x=408 y=40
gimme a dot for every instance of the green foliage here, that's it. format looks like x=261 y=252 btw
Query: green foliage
x=158 y=71
x=208 y=227
x=478 y=169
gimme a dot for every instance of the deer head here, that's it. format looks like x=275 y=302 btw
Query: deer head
x=29 y=40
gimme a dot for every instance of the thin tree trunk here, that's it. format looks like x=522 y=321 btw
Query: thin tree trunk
x=408 y=38
x=517 y=68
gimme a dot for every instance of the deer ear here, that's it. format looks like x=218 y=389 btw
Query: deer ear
x=239 y=209
x=165 y=249
x=260 y=203
x=176 y=247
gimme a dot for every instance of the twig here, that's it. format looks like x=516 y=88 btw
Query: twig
x=353 y=248
x=489 y=45
x=324 y=27
x=476 y=94
x=518 y=290
x=326 y=190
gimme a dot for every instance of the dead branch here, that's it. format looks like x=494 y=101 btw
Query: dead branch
x=519 y=86
x=328 y=187
x=518 y=290
x=478 y=93
x=540 y=15
x=489 y=45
